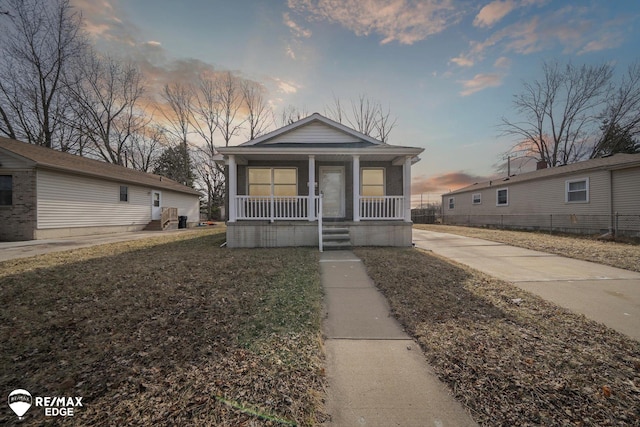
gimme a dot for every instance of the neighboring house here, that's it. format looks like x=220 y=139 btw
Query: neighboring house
x=46 y=193
x=592 y=196
x=274 y=184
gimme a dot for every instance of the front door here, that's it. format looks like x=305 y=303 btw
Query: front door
x=332 y=189
x=156 y=209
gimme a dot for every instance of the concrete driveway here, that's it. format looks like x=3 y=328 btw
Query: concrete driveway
x=605 y=294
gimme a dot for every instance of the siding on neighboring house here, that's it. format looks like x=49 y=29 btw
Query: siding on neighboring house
x=539 y=196
x=626 y=191
x=67 y=201
x=313 y=132
x=186 y=205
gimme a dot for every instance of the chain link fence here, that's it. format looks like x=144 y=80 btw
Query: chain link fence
x=619 y=224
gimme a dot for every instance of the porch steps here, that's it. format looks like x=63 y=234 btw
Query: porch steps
x=335 y=238
x=154 y=225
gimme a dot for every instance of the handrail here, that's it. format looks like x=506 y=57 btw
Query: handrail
x=381 y=207
x=168 y=215
x=319 y=216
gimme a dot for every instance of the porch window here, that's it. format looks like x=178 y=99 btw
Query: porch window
x=6 y=190
x=372 y=182
x=577 y=191
x=124 y=193
x=273 y=182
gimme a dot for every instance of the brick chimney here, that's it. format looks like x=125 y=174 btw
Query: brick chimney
x=541 y=165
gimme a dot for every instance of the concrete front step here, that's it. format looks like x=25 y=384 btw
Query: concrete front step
x=336 y=238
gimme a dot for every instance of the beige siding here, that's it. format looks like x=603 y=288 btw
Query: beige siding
x=626 y=191
x=536 y=197
x=73 y=201
x=188 y=205
x=314 y=132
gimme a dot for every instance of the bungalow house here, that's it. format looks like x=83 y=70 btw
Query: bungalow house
x=46 y=193
x=593 y=196
x=318 y=182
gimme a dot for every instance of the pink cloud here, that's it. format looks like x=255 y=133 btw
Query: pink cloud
x=480 y=82
x=444 y=183
x=493 y=12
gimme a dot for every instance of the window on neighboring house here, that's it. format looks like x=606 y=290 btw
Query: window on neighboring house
x=273 y=181
x=476 y=199
x=452 y=202
x=6 y=190
x=372 y=182
x=124 y=193
x=502 y=197
x=577 y=191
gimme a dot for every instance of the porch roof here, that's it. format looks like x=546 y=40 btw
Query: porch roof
x=322 y=152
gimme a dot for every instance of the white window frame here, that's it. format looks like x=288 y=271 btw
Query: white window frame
x=126 y=194
x=272 y=169
x=566 y=190
x=498 y=198
x=384 y=181
x=451 y=203
x=473 y=199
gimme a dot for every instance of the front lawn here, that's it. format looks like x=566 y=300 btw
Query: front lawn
x=166 y=331
x=510 y=357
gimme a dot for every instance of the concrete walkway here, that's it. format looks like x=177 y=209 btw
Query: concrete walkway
x=605 y=294
x=377 y=375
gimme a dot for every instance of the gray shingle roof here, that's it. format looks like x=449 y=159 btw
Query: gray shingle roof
x=53 y=159
x=616 y=161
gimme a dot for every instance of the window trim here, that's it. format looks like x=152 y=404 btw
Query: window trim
x=498 y=197
x=451 y=203
x=384 y=180
x=473 y=199
x=272 y=180
x=126 y=194
x=10 y=190
x=566 y=190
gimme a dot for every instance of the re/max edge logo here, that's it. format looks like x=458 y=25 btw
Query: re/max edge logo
x=20 y=401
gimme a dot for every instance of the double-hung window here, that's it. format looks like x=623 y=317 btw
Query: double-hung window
x=502 y=197
x=372 y=182
x=124 y=193
x=452 y=202
x=6 y=190
x=577 y=190
x=280 y=182
x=476 y=198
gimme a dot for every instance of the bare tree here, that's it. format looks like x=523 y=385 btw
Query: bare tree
x=179 y=99
x=367 y=117
x=38 y=45
x=205 y=110
x=292 y=114
x=107 y=102
x=229 y=102
x=144 y=147
x=559 y=113
x=621 y=117
x=259 y=115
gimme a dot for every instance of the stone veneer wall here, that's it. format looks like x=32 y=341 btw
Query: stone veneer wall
x=18 y=221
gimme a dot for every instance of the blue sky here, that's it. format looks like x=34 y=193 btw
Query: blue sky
x=447 y=69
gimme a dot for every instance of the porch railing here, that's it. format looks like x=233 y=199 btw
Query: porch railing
x=274 y=207
x=381 y=207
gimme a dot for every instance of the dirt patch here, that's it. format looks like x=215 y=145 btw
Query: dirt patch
x=167 y=331
x=508 y=356
x=615 y=254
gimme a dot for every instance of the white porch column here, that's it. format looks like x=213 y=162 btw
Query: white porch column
x=311 y=206
x=232 y=187
x=356 y=188
x=406 y=191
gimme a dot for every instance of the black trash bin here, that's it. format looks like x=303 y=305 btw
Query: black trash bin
x=182 y=222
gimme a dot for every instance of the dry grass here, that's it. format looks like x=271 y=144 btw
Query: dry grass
x=168 y=331
x=510 y=357
x=615 y=254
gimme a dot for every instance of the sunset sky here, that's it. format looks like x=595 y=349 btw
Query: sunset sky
x=447 y=69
